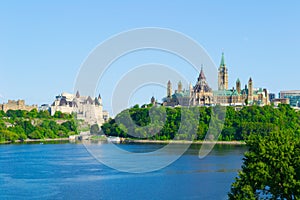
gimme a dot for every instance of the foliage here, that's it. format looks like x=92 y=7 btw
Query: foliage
x=21 y=124
x=271 y=168
x=94 y=129
x=6 y=135
x=239 y=125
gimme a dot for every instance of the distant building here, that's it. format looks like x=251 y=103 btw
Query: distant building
x=272 y=96
x=45 y=107
x=88 y=109
x=293 y=96
x=202 y=95
x=278 y=101
x=16 y=105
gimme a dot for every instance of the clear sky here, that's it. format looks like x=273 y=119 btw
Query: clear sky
x=42 y=45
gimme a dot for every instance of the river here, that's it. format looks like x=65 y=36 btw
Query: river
x=68 y=171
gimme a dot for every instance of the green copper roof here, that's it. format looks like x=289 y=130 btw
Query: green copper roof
x=222 y=60
x=226 y=93
x=185 y=93
x=238 y=80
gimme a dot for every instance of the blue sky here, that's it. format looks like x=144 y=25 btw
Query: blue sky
x=42 y=45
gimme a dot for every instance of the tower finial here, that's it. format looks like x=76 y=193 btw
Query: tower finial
x=222 y=60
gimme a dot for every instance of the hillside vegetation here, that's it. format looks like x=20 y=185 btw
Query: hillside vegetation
x=165 y=123
x=20 y=125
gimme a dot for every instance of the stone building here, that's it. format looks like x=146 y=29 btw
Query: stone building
x=88 y=109
x=202 y=95
x=199 y=95
x=16 y=105
x=238 y=96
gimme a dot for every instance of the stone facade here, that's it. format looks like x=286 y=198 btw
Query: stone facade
x=16 y=105
x=199 y=95
x=88 y=109
x=202 y=95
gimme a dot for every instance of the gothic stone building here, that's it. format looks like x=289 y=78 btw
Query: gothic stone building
x=88 y=109
x=202 y=95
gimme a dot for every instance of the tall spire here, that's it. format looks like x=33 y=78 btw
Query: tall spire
x=222 y=64
x=201 y=75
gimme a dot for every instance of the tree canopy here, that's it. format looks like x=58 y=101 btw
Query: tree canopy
x=21 y=124
x=271 y=168
x=237 y=127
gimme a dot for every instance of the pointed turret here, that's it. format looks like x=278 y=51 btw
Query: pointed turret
x=77 y=94
x=99 y=100
x=96 y=101
x=201 y=75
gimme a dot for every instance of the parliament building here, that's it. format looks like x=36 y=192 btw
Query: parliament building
x=201 y=93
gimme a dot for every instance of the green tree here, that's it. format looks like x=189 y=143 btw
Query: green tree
x=27 y=126
x=2 y=124
x=271 y=167
x=44 y=114
x=94 y=129
x=19 y=131
x=33 y=113
x=2 y=114
x=6 y=135
x=35 y=135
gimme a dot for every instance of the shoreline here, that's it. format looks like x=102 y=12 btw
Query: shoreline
x=133 y=141
x=36 y=140
x=181 y=142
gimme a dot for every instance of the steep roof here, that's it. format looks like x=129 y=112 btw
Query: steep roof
x=89 y=100
x=77 y=94
x=201 y=75
x=202 y=84
x=222 y=64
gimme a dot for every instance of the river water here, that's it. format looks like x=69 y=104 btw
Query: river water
x=68 y=171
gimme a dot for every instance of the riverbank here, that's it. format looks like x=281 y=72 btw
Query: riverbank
x=35 y=140
x=134 y=141
x=181 y=142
